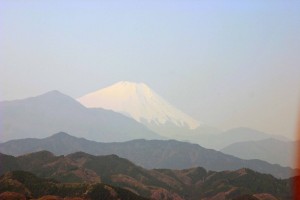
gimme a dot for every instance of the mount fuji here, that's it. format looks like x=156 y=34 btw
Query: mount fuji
x=139 y=102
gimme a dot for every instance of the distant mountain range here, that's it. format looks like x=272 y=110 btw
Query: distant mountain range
x=141 y=103
x=147 y=153
x=157 y=184
x=53 y=112
x=210 y=137
x=131 y=121
x=270 y=150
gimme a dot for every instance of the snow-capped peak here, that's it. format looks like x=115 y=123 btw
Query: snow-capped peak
x=138 y=101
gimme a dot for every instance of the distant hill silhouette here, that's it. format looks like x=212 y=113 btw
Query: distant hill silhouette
x=271 y=150
x=213 y=138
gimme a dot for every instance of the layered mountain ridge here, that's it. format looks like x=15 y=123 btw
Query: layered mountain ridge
x=146 y=153
x=127 y=129
x=157 y=184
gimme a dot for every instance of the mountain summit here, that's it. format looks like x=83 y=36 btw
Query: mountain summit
x=141 y=103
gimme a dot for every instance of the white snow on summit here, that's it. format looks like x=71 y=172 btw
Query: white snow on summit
x=138 y=101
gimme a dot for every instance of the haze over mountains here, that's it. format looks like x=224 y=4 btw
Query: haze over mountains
x=216 y=139
x=133 y=122
x=139 y=109
x=156 y=100
x=140 y=102
x=150 y=154
x=270 y=150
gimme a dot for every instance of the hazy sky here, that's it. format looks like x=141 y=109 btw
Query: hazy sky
x=226 y=63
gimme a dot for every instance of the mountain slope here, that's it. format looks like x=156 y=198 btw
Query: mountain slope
x=54 y=112
x=141 y=103
x=188 y=184
x=29 y=186
x=147 y=153
x=271 y=150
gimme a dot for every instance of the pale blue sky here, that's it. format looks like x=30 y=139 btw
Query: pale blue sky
x=226 y=63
